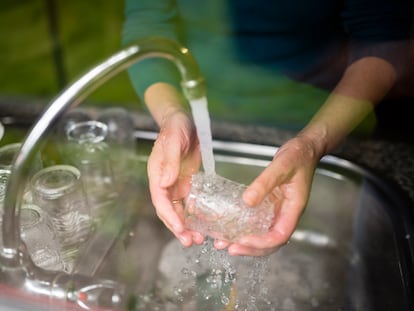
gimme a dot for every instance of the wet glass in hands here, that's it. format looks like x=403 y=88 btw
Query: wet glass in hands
x=215 y=207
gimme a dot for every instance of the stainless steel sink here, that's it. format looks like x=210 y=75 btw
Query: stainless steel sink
x=351 y=251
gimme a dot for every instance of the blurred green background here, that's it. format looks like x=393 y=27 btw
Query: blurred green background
x=47 y=44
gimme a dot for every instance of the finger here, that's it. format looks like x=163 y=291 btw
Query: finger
x=271 y=177
x=272 y=239
x=185 y=238
x=178 y=206
x=241 y=250
x=169 y=150
x=197 y=237
x=221 y=244
x=160 y=166
x=285 y=222
x=167 y=214
x=165 y=209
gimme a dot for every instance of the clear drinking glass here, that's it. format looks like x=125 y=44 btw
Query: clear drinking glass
x=74 y=116
x=120 y=127
x=214 y=207
x=58 y=191
x=69 y=119
x=8 y=153
x=90 y=154
x=120 y=140
x=37 y=231
x=4 y=177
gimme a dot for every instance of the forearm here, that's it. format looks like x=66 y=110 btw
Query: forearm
x=145 y=18
x=162 y=100
x=363 y=84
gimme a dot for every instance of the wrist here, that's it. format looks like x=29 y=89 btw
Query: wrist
x=317 y=140
x=163 y=101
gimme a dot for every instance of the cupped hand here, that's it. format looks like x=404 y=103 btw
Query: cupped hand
x=174 y=158
x=287 y=179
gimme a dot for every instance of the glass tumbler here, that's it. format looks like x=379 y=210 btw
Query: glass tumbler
x=120 y=127
x=214 y=207
x=121 y=141
x=4 y=177
x=58 y=191
x=69 y=119
x=37 y=231
x=9 y=152
x=90 y=154
x=74 y=116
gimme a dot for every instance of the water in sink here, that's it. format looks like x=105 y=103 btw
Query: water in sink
x=310 y=272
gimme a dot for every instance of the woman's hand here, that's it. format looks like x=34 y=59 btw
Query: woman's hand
x=287 y=180
x=174 y=158
x=365 y=82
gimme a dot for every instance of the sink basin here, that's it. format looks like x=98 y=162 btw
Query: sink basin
x=352 y=249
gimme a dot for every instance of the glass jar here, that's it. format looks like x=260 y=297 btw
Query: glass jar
x=90 y=154
x=58 y=191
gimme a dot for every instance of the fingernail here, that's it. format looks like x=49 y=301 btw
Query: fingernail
x=220 y=244
x=250 y=197
x=184 y=240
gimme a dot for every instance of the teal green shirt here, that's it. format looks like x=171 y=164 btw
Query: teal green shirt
x=267 y=62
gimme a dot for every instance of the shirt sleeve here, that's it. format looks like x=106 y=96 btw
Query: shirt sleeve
x=144 y=18
x=380 y=28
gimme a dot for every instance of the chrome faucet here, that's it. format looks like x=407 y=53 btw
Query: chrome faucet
x=17 y=269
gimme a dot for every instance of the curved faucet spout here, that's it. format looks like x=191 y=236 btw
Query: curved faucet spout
x=193 y=88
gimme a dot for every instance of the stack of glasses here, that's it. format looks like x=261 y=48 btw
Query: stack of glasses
x=64 y=203
x=36 y=228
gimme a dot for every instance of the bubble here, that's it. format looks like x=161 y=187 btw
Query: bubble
x=225 y=300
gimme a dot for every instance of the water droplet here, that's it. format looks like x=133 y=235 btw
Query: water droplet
x=225 y=300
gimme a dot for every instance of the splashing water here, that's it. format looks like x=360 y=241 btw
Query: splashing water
x=218 y=287
x=202 y=123
x=221 y=282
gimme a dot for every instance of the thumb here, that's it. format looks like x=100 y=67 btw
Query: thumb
x=264 y=184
